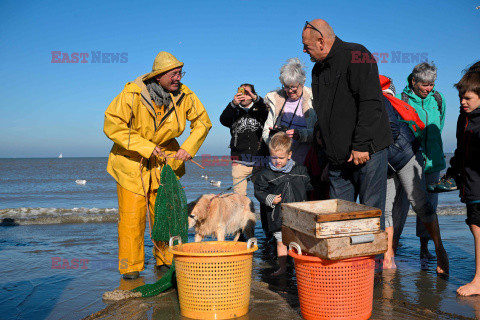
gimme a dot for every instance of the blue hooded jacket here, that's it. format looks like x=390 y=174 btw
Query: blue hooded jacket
x=404 y=145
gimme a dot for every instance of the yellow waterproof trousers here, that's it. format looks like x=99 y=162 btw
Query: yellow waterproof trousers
x=132 y=210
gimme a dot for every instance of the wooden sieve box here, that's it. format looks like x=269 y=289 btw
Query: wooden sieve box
x=333 y=229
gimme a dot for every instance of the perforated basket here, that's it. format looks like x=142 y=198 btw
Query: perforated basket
x=334 y=289
x=213 y=277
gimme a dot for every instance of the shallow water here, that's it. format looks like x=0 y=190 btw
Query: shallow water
x=38 y=283
x=59 y=270
x=43 y=191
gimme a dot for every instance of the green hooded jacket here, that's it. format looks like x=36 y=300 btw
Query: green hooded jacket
x=431 y=137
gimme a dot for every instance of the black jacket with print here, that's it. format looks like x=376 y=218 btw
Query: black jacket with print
x=246 y=129
x=292 y=186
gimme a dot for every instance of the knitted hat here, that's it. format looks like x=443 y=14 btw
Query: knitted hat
x=386 y=83
x=163 y=62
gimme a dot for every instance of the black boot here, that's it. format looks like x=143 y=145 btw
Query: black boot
x=131 y=275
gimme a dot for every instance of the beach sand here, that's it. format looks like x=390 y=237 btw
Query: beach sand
x=61 y=272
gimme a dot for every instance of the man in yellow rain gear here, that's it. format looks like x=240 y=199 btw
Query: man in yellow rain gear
x=143 y=122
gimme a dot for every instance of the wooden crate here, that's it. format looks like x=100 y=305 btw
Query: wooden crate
x=338 y=247
x=331 y=218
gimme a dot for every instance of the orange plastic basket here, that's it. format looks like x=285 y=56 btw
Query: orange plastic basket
x=213 y=278
x=334 y=289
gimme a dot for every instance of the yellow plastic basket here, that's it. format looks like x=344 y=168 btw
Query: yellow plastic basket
x=213 y=277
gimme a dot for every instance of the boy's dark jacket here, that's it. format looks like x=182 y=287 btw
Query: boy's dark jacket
x=348 y=101
x=293 y=187
x=246 y=128
x=465 y=165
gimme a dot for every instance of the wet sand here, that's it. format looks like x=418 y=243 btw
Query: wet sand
x=61 y=272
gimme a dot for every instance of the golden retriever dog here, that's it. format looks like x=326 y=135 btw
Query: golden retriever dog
x=220 y=216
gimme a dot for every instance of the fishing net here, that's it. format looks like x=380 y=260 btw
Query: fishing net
x=163 y=284
x=171 y=219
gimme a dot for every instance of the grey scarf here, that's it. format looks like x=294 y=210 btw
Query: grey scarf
x=158 y=94
x=286 y=169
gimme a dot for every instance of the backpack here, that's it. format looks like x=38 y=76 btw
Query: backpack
x=436 y=96
x=407 y=113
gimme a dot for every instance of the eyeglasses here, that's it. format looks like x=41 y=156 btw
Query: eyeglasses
x=291 y=88
x=176 y=74
x=309 y=25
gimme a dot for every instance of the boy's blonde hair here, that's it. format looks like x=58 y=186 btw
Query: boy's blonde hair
x=280 y=141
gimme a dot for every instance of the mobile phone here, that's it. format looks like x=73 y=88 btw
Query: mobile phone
x=241 y=90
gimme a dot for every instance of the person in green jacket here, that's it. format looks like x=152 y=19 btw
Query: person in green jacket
x=420 y=93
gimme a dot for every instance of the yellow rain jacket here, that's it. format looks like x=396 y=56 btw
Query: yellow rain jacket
x=132 y=122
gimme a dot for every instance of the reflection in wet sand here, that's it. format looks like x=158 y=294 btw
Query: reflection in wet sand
x=404 y=293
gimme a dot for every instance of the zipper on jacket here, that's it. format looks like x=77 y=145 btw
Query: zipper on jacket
x=426 y=133
x=464 y=156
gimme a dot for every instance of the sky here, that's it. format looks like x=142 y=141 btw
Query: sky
x=49 y=108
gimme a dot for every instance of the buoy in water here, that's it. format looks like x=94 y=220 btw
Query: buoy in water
x=215 y=183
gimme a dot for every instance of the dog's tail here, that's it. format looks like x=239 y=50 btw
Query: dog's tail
x=249 y=230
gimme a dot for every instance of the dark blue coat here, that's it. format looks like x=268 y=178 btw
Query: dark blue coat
x=466 y=162
x=404 y=144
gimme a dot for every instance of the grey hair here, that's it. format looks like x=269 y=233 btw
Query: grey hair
x=293 y=72
x=425 y=72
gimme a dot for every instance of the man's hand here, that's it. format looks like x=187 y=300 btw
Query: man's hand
x=158 y=152
x=277 y=199
x=238 y=98
x=250 y=94
x=182 y=155
x=293 y=133
x=359 y=157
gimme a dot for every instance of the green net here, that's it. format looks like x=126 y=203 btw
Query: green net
x=163 y=284
x=171 y=219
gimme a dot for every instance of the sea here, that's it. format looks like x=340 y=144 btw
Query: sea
x=79 y=190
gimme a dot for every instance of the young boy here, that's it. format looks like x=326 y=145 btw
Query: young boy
x=282 y=181
x=465 y=165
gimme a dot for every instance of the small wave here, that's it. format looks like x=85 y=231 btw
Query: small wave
x=445 y=210
x=31 y=216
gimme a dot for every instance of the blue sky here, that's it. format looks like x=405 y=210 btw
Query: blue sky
x=48 y=108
